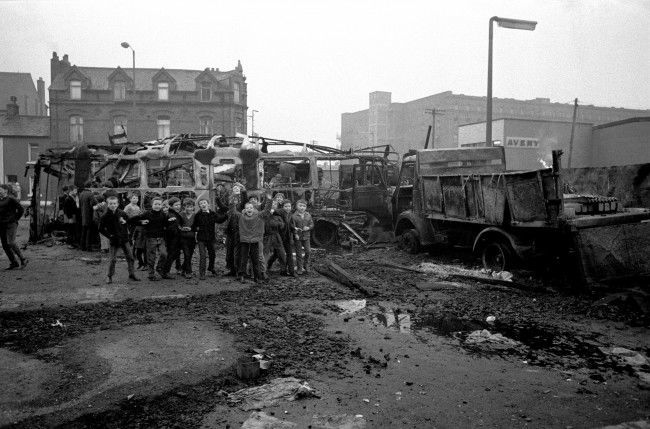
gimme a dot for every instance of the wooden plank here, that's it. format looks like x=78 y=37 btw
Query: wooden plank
x=338 y=274
x=353 y=232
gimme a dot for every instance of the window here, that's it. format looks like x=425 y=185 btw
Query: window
x=76 y=129
x=163 y=91
x=235 y=88
x=164 y=126
x=205 y=125
x=75 y=90
x=119 y=124
x=206 y=91
x=32 y=152
x=119 y=91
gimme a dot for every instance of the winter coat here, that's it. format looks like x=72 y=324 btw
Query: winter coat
x=157 y=223
x=10 y=210
x=86 y=203
x=111 y=227
x=299 y=222
x=251 y=228
x=185 y=221
x=205 y=224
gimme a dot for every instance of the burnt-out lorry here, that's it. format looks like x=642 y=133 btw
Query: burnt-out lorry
x=465 y=197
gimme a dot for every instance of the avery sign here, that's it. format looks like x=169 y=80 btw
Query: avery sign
x=522 y=142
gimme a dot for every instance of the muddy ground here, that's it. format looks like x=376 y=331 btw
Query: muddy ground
x=78 y=353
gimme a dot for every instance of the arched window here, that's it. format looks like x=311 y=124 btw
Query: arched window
x=119 y=124
x=76 y=129
x=164 y=126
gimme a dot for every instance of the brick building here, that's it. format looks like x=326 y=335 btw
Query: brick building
x=87 y=103
x=22 y=138
x=404 y=125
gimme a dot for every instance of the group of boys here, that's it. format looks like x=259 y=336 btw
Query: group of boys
x=256 y=235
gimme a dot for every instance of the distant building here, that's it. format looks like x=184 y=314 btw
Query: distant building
x=29 y=98
x=22 y=138
x=87 y=103
x=528 y=143
x=404 y=125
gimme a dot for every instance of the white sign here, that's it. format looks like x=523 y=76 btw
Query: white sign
x=522 y=142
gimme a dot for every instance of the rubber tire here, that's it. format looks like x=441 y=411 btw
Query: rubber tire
x=410 y=241
x=497 y=256
x=324 y=234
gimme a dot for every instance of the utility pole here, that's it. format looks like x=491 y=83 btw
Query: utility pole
x=433 y=112
x=573 y=127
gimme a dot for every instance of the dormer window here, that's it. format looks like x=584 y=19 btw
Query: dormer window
x=75 y=90
x=163 y=91
x=119 y=91
x=206 y=91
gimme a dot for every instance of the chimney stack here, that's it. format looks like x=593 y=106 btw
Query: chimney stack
x=12 y=108
x=40 y=90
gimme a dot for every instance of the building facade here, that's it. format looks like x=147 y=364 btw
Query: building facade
x=22 y=138
x=529 y=143
x=404 y=125
x=88 y=103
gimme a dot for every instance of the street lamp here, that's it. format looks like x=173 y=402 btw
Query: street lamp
x=252 y=116
x=125 y=45
x=517 y=24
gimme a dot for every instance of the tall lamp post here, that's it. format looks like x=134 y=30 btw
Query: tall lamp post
x=517 y=24
x=125 y=45
x=252 y=116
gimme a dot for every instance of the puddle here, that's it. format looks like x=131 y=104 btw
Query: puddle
x=393 y=319
x=542 y=346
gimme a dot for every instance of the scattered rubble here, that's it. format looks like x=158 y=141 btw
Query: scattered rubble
x=485 y=338
x=276 y=391
x=261 y=420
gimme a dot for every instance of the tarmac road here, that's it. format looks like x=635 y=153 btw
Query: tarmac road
x=75 y=352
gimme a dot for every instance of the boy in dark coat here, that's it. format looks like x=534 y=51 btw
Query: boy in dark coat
x=204 y=225
x=302 y=226
x=113 y=225
x=173 y=235
x=10 y=213
x=274 y=228
x=155 y=224
x=287 y=239
x=187 y=236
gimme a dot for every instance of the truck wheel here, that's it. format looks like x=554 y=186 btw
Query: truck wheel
x=410 y=241
x=497 y=256
x=324 y=234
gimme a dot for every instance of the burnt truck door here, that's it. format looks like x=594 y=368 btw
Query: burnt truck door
x=402 y=199
x=369 y=191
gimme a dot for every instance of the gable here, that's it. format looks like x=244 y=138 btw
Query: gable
x=119 y=75
x=163 y=76
x=75 y=74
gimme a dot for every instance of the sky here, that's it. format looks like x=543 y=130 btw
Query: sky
x=308 y=61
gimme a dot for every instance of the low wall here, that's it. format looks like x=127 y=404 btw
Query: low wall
x=630 y=184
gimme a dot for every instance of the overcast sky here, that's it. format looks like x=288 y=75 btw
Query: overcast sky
x=307 y=62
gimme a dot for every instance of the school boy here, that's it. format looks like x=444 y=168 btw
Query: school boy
x=204 y=226
x=155 y=225
x=113 y=226
x=251 y=234
x=302 y=226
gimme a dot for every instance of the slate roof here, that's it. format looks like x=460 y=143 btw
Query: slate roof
x=25 y=126
x=19 y=85
x=98 y=76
